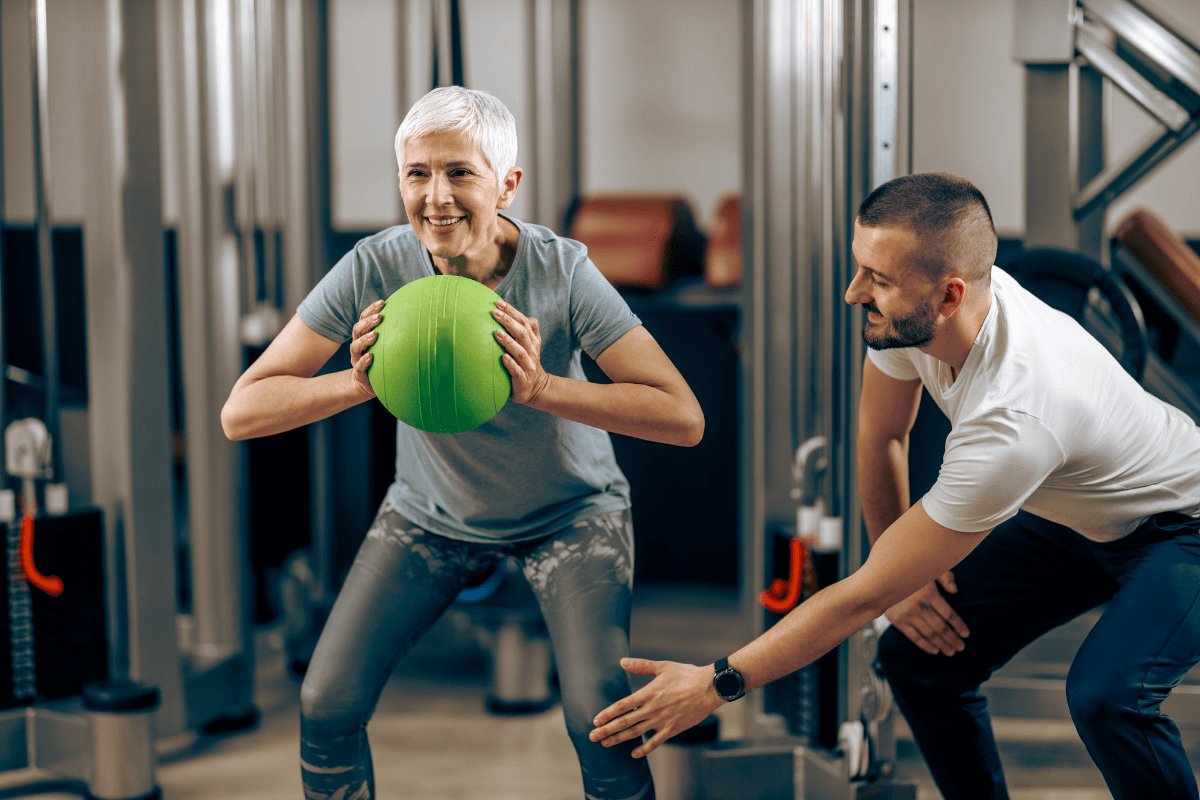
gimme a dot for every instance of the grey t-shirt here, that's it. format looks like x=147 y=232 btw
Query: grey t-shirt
x=524 y=473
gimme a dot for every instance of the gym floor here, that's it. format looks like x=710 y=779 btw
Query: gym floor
x=432 y=740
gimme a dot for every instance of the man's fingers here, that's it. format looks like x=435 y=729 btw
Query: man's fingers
x=936 y=630
x=947 y=582
x=617 y=710
x=919 y=639
x=640 y=666
x=948 y=616
x=634 y=731
x=651 y=744
x=948 y=622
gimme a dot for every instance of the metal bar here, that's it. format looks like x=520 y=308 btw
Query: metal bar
x=1054 y=102
x=210 y=309
x=443 y=67
x=1156 y=41
x=246 y=121
x=752 y=436
x=1129 y=80
x=45 y=249
x=1110 y=184
x=128 y=407
x=886 y=99
x=3 y=348
x=554 y=104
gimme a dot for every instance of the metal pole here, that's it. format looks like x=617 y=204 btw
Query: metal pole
x=752 y=404
x=45 y=251
x=305 y=236
x=554 y=105
x=128 y=409
x=3 y=348
x=211 y=291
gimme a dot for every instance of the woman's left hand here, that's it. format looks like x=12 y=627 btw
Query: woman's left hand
x=522 y=341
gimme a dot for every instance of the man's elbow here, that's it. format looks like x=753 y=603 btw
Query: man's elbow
x=868 y=599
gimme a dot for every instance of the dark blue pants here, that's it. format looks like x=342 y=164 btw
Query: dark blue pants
x=400 y=583
x=1027 y=577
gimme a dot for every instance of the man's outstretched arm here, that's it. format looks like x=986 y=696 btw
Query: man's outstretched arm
x=911 y=553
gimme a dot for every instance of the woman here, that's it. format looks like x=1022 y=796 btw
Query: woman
x=538 y=482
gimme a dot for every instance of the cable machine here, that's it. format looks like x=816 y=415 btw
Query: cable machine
x=827 y=120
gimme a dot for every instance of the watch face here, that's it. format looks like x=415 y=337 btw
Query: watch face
x=728 y=684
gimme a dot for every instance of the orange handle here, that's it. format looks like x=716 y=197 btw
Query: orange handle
x=782 y=598
x=51 y=584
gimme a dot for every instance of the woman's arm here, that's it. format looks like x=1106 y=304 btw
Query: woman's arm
x=648 y=398
x=278 y=391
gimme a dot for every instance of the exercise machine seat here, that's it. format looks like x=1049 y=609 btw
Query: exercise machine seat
x=723 y=258
x=640 y=241
x=1164 y=254
x=1064 y=279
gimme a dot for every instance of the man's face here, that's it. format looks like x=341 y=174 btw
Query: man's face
x=899 y=301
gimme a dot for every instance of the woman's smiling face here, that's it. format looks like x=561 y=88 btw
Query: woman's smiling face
x=452 y=196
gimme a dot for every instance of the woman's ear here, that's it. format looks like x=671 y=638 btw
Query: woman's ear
x=508 y=190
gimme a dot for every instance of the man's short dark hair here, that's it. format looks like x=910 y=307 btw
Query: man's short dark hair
x=948 y=215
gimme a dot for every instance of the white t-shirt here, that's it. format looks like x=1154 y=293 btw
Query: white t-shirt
x=1044 y=419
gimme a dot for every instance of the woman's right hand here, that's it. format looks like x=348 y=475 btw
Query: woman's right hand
x=362 y=337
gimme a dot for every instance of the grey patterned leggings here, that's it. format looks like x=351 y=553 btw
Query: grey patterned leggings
x=400 y=583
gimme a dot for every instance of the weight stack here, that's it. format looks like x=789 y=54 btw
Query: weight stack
x=807 y=699
x=51 y=646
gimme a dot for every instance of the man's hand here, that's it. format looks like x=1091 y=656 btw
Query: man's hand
x=362 y=336
x=928 y=620
x=680 y=696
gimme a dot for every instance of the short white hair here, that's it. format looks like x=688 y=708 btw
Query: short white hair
x=483 y=118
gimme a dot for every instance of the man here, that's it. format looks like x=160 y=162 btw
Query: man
x=1064 y=485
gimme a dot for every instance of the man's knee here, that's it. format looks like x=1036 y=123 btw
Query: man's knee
x=1098 y=696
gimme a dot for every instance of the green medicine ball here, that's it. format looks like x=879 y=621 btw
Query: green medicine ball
x=436 y=362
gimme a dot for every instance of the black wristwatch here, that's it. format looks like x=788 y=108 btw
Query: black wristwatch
x=728 y=682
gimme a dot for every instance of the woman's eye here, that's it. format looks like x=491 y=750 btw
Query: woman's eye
x=458 y=173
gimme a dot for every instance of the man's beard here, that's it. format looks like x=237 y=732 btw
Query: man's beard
x=915 y=330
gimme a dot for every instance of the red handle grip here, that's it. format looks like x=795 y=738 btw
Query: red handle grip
x=782 y=598
x=50 y=584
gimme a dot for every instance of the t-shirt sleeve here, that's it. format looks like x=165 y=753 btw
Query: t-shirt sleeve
x=331 y=308
x=599 y=315
x=895 y=363
x=993 y=463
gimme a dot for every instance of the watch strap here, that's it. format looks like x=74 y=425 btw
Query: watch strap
x=721 y=665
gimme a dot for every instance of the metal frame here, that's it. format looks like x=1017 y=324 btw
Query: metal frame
x=40 y=68
x=1068 y=186
x=827 y=119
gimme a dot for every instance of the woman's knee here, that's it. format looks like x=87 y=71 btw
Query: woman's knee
x=321 y=702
